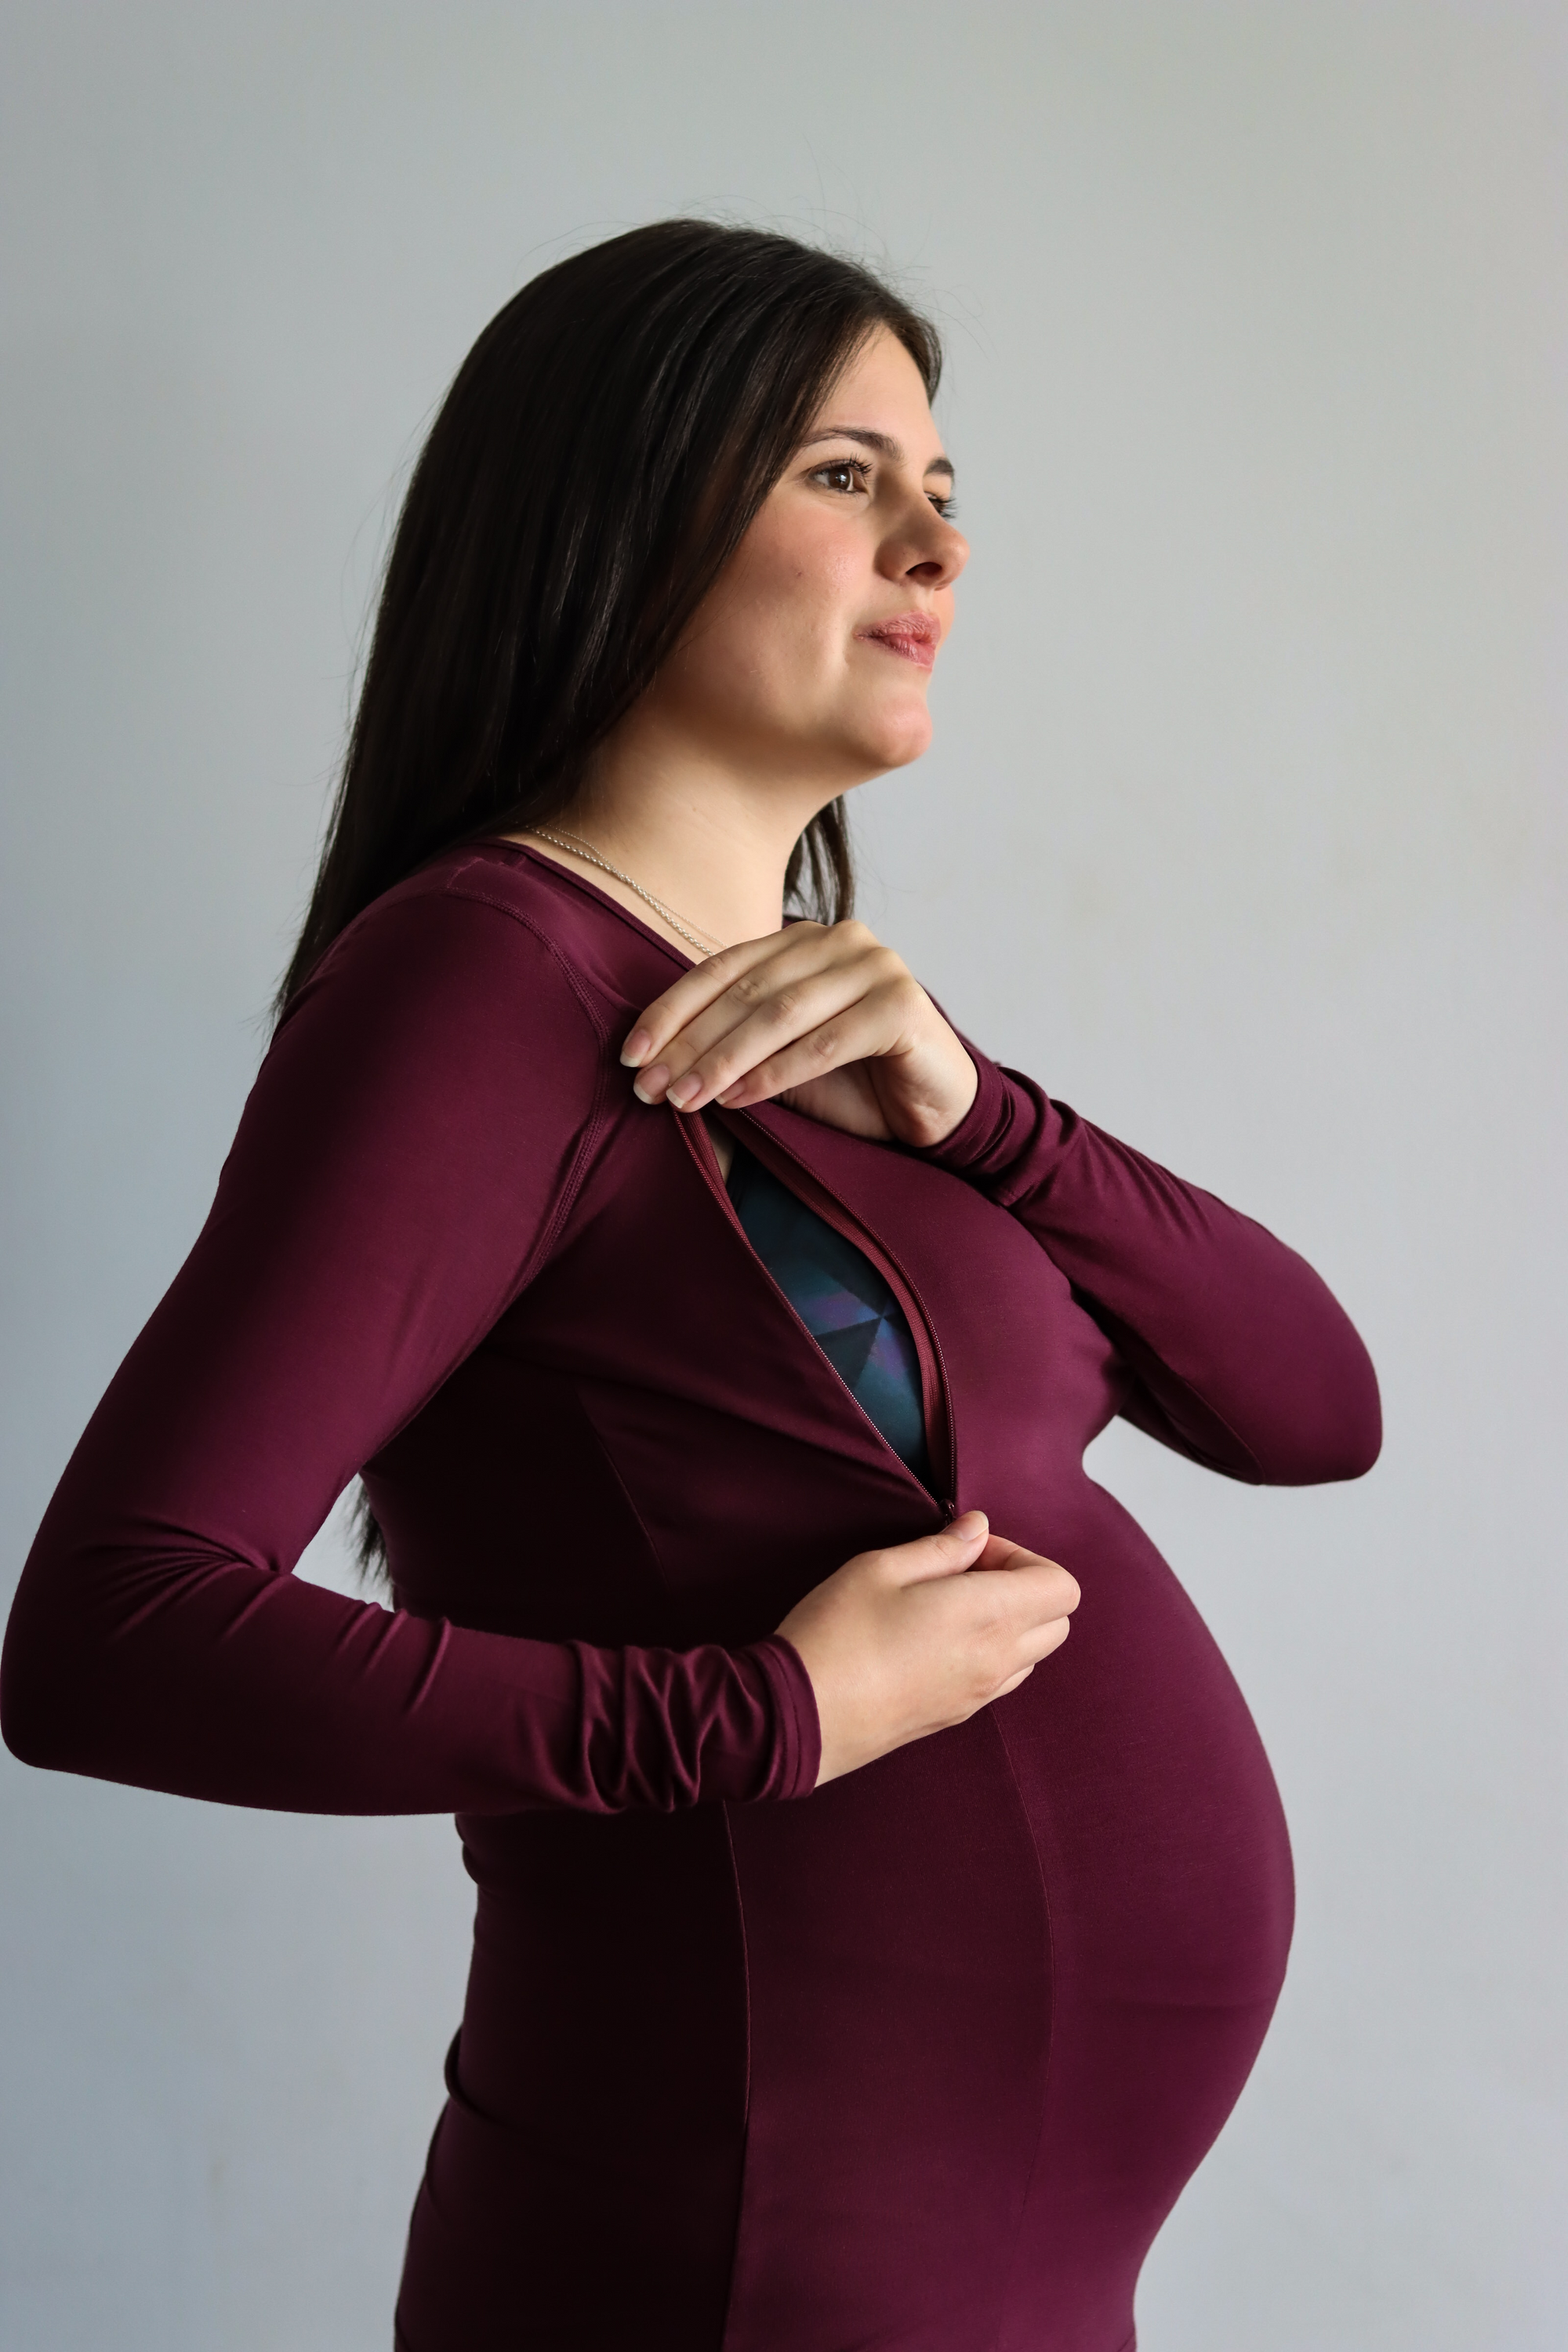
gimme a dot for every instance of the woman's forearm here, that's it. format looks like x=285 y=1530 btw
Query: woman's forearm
x=1238 y=1352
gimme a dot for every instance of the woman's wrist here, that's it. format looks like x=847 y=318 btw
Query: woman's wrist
x=976 y=1143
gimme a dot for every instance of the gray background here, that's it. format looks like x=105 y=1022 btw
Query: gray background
x=1243 y=830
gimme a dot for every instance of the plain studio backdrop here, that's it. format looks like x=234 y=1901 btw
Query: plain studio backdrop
x=1243 y=832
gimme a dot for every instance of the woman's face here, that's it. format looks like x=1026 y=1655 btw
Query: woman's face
x=813 y=654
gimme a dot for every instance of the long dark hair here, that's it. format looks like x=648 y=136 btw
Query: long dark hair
x=595 y=465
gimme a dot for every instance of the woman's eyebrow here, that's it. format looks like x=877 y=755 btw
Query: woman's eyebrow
x=882 y=442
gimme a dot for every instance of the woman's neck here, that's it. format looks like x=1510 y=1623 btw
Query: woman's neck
x=711 y=843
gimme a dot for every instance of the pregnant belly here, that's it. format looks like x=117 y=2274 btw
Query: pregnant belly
x=1148 y=1794
x=1004 y=1987
x=1164 y=1847
x=918 y=2063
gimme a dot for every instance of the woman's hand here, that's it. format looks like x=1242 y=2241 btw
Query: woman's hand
x=823 y=1017
x=905 y=1641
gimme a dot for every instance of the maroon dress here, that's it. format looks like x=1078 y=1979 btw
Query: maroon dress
x=918 y=2063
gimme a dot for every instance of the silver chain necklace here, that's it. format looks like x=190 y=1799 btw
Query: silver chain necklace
x=703 y=942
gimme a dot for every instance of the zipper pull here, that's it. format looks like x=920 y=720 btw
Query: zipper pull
x=949 y=1510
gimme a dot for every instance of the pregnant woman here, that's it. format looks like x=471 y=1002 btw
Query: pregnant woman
x=858 y=1962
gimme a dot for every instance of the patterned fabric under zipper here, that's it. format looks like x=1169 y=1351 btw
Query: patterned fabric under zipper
x=843 y=1301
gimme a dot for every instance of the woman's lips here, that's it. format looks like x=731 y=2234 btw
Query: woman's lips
x=913 y=636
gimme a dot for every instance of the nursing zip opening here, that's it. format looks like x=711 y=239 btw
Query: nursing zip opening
x=793 y=1173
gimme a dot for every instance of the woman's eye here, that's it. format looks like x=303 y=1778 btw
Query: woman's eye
x=845 y=475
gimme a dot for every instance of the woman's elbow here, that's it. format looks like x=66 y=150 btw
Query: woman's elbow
x=1352 y=1449
x=27 y=1725
x=40 y=1676
x=1336 y=1432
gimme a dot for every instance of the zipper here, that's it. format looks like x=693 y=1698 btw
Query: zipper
x=936 y=1403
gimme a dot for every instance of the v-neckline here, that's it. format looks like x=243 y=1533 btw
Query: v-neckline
x=591 y=889
x=936 y=1394
x=804 y=1182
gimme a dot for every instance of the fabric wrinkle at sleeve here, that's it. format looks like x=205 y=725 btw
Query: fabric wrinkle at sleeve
x=799 y=1726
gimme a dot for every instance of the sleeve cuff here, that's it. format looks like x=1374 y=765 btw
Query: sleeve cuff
x=797 y=1754
x=996 y=1128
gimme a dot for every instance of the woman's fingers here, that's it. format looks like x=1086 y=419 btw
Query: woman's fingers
x=1015 y=1617
x=725 y=1018
x=1052 y=1640
x=906 y=1641
x=696 y=990
x=862 y=1032
x=1013 y=1680
x=1048 y=1633
x=950 y=1549
x=823 y=1012
x=803 y=1028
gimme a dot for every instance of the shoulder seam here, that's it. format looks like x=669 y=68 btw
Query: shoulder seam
x=455 y=888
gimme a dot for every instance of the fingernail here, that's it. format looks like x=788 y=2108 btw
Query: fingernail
x=684 y=1090
x=636 y=1045
x=649 y=1086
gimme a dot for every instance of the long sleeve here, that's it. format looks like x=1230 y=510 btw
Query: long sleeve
x=402 y=1166
x=1237 y=1354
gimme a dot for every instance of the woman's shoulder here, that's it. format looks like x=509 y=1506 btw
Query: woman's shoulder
x=487 y=930
x=445 y=1032
x=460 y=976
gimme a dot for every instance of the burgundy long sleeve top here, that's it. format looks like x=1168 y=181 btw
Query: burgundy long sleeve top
x=919 y=2061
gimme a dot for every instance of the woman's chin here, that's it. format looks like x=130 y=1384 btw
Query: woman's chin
x=908 y=741
x=891 y=739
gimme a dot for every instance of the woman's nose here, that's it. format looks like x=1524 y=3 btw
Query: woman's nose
x=934 y=555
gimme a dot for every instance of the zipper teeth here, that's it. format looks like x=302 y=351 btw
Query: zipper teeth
x=898 y=1281
x=708 y=1161
x=852 y=1231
